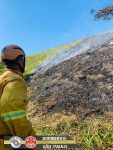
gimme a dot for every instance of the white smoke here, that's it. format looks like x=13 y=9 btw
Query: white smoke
x=87 y=44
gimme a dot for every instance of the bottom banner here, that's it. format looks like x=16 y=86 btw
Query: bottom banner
x=40 y=142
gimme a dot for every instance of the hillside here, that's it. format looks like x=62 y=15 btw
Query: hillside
x=34 y=61
x=73 y=93
x=83 y=80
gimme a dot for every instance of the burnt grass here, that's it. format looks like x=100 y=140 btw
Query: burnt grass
x=82 y=85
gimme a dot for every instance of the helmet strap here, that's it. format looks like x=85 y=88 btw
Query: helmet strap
x=22 y=69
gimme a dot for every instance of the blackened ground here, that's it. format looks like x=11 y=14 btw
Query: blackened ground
x=82 y=85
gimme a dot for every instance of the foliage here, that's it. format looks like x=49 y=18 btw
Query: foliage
x=105 y=13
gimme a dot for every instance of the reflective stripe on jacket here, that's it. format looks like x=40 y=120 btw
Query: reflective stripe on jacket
x=13 y=101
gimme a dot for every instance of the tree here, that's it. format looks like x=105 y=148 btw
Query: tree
x=105 y=13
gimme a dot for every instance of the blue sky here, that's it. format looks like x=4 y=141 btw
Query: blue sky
x=37 y=25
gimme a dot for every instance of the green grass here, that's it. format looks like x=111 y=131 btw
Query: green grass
x=33 y=61
x=91 y=135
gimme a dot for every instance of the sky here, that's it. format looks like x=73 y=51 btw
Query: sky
x=38 y=25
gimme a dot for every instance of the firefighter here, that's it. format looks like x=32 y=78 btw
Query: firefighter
x=13 y=95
